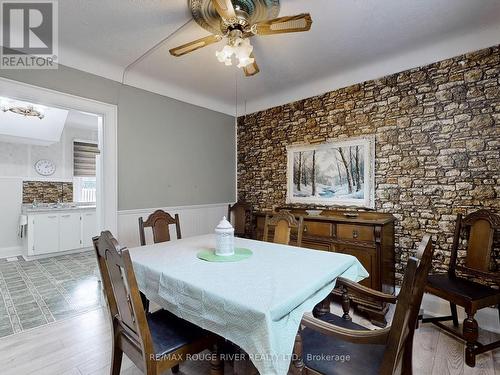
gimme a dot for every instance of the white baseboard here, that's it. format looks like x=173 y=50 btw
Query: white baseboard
x=50 y=255
x=487 y=318
x=7 y=252
x=195 y=220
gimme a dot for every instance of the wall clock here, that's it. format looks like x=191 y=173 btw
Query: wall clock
x=45 y=167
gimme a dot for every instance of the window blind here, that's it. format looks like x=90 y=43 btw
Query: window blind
x=84 y=154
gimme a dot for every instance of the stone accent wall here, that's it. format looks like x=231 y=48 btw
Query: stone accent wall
x=437 y=145
x=47 y=191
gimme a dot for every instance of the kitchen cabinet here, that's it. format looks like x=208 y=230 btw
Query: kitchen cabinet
x=46 y=233
x=62 y=230
x=89 y=227
x=70 y=233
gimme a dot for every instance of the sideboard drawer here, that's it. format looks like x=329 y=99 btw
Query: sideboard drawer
x=312 y=228
x=355 y=232
x=317 y=245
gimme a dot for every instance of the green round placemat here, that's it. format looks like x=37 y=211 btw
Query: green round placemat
x=239 y=254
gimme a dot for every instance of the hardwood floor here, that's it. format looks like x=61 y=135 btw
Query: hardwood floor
x=81 y=346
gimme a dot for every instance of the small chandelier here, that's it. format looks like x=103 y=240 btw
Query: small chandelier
x=237 y=46
x=28 y=111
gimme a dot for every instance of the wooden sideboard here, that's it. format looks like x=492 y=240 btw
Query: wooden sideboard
x=367 y=235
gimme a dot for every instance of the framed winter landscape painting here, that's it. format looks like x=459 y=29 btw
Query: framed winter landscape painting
x=340 y=173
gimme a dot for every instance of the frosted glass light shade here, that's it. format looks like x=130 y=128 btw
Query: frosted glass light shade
x=240 y=48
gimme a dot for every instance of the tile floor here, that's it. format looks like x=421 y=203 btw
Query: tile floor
x=38 y=292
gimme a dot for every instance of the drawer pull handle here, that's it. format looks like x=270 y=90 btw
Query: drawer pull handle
x=65 y=215
x=355 y=233
x=52 y=217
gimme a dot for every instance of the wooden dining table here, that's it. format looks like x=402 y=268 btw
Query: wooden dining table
x=256 y=303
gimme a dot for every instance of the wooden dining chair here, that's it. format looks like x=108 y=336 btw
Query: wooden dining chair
x=324 y=343
x=479 y=228
x=283 y=222
x=239 y=214
x=154 y=342
x=159 y=222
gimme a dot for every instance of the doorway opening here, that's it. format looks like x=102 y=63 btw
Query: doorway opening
x=60 y=161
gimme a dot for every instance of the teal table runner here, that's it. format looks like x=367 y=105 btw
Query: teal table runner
x=257 y=303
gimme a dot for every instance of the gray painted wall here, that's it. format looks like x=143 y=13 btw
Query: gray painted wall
x=170 y=153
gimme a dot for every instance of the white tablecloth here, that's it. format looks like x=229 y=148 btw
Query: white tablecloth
x=256 y=303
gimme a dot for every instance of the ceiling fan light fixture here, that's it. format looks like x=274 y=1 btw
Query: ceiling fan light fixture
x=243 y=62
x=26 y=111
x=240 y=48
x=239 y=20
x=224 y=55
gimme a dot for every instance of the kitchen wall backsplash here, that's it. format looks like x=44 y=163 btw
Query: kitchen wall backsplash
x=437 y=132
x=47 y=192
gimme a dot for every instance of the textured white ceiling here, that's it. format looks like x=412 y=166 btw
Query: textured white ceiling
x=350 y=41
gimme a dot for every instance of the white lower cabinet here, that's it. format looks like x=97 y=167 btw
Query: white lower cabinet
x=70 y=233
x=60 y=231
x=89 y=227
x=45 y=233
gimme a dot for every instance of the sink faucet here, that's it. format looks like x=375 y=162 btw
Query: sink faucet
x=35 y=203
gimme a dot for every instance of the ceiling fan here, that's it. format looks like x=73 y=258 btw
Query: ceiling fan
x=238 y=21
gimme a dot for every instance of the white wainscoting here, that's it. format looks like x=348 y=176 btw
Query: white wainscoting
x=195 y=220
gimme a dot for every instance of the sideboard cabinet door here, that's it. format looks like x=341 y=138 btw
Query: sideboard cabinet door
x=367 y=257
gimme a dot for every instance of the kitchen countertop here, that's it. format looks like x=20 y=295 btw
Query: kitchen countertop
x=28 y=209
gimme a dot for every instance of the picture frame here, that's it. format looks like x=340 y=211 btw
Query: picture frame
x=339 y=172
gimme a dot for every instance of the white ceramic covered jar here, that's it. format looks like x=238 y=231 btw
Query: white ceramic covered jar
x=224 y=238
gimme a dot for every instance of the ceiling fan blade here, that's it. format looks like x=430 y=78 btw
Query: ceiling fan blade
x=291 y=24
x=224 y=8
x=194 y=45
x=251 y=69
